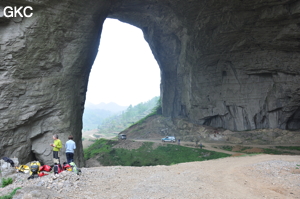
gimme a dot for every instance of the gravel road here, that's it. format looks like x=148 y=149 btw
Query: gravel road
x=260 y=176
x=247 y=177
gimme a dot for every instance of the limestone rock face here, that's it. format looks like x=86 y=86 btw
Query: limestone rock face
x=44 y=66
x=230 y=64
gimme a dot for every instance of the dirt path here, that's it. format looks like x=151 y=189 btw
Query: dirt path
x=207 y=146
x=261 y=176
x=216 y=146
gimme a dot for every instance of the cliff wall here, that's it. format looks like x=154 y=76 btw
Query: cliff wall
x=231 y=64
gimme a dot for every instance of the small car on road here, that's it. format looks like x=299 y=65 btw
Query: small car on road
x=169 y=139
x=122 y=137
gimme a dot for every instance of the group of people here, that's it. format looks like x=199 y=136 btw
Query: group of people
x=57 y=145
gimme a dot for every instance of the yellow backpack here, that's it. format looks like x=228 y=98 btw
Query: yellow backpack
x=34 y=167
x=23 y=169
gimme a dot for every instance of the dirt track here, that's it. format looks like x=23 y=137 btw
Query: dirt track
x=216 y=146
x=207 y=146
x=261 y=176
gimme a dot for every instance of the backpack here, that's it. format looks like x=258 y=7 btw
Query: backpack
x=57 y=168
x=34 y=167
x=67 y=167
x=75 y=168
x=34 y=170
x=45 y=168
x=23 y=169
x=41 y=174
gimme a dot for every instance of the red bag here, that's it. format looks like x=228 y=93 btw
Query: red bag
x=66 y=166
x=45 y=168
x=42 y=174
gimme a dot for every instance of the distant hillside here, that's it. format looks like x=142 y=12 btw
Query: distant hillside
x=95 y=114
x=132 y=114
x=112 y=107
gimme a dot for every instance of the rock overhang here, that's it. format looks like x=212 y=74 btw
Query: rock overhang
x=224 y=64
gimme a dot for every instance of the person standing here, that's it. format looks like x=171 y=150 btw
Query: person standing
x=70 y=146
x=56 y=148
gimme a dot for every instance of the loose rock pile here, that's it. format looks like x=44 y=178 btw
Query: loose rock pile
x=48 y=186
x=249 y=177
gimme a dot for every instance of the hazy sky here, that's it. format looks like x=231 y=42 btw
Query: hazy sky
x=125 y=71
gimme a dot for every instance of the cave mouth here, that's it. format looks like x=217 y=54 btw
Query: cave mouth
x=124 y=72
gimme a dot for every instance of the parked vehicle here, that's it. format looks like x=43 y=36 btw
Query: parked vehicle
x=122 y=137
x=169 y=139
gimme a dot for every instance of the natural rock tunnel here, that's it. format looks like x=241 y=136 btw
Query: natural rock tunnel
x=231 y=64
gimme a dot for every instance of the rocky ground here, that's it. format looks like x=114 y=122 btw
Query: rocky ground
x=260 y=176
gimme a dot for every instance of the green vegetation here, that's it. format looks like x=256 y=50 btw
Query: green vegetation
x=146 y=156
x=132 y=115
x=276 y=152
x=230 y=148
x=297 y=148
x=6 y=181
x=155 y=111
x=11 y=195
x=264 y=150
x=226 y=148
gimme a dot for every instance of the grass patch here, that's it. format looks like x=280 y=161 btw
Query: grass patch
x=297 y=148
x=248 y=150
x=100 y=146
x=275 y=152
x=226 y=148
x=6 y=181
x=11 y=195
x=147 y=156
x=237 y=148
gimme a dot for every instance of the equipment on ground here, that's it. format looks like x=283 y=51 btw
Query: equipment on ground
x=75 y=168
x=34 y=169
x=8 y=160
x=23 y=169
x=57 y=168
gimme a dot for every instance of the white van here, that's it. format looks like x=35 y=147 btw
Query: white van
x=169 y=139
x=122 y=137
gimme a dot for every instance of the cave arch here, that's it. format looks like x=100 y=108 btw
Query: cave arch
x=45 y=62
